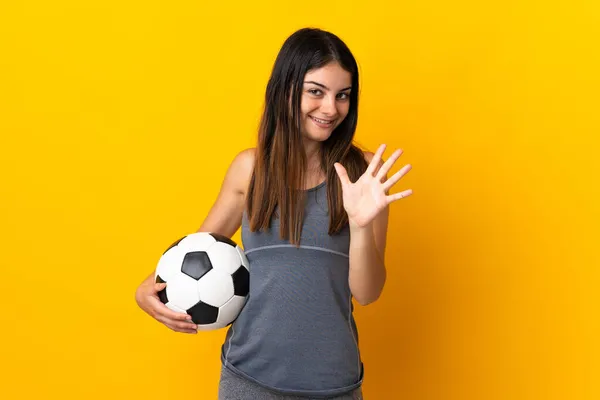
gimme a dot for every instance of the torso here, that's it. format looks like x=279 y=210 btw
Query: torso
x=296 y=334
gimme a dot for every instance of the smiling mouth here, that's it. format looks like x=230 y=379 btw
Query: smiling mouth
x=322 y=121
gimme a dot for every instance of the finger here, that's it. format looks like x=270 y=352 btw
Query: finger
x=342 y=174
x=388 y=164
x=182 y=330
x=396 y=177
x=162 y=310
x=397 y=196
x=376 y=160
x=184 y=325
x=175 y=324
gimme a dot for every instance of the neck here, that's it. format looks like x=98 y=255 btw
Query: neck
x=313 y=155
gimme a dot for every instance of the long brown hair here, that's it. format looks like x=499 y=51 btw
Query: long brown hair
x=277 y=183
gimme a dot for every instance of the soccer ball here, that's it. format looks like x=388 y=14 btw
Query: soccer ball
x=207 y=276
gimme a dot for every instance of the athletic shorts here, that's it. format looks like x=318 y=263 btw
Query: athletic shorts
x=234 y=387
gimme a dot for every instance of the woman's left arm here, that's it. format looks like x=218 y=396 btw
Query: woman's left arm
x=367 y=255
x=367 y=203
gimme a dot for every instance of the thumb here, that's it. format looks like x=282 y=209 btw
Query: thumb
x=159 y=286
x=342 y=174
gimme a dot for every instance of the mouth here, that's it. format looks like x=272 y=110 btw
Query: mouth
x=322 y=123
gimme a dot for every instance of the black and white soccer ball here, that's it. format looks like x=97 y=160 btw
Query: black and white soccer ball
x=207 y=276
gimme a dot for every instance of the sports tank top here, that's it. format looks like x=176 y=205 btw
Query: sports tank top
x=296 y=335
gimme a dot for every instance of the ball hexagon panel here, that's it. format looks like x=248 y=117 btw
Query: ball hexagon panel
x=197 y=241
x=182 y=291
x=169 y=264
x=243 y=257
x=215 y=288
x=224 y=257
x=195 y=264
x=231 y=309
x=173 y=307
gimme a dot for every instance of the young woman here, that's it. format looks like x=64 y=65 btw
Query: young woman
x=313 y=209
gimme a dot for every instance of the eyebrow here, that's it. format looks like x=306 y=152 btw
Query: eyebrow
x=325 y=87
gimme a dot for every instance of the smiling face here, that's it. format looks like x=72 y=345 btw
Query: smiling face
x=325 y=101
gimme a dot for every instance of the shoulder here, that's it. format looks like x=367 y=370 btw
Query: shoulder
x=245 y=158
x=241 y=168
x=369 y=157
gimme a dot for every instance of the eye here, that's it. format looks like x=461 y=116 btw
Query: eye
x=344 y=96
x=316 y=92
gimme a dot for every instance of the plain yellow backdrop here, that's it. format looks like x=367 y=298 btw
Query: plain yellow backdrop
x=119 y=119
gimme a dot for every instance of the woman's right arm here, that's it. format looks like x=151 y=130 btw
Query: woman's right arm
x=224 y=217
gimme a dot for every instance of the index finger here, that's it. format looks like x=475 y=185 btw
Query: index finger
x=165 y=311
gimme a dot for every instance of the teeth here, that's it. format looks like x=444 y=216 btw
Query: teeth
x=321 y=121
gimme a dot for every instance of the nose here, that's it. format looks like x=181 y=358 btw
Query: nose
x=329 y=106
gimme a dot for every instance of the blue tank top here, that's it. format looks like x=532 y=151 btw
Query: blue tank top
x=296 y=334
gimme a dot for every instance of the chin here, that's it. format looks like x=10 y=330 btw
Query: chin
x=318 y=135
x=314 y=138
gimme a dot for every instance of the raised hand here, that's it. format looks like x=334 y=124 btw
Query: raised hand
x=368 y=196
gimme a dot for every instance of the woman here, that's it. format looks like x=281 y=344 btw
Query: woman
x=313 y=209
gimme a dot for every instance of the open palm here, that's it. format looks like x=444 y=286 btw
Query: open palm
x=368 y=196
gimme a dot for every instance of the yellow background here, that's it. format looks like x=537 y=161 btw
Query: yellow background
x=118 y=120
